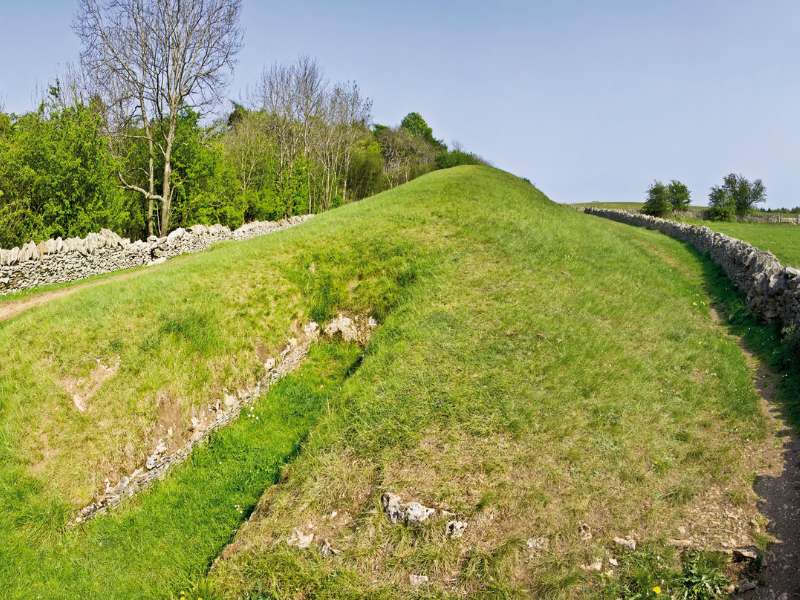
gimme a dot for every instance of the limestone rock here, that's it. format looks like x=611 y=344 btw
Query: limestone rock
x=393 y=507
x=61 y=260
x=300 y=540
x=176 y=235
x=412 y=513
x=455 y=529
x=416 y=513
x=326 y=550
x=536 y=544
x=626 y=542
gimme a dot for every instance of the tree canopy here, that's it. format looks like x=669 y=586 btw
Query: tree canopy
x=736 y=196
x=301 y=144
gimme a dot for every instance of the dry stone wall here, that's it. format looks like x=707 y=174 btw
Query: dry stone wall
x=772 y=290
x=58 y=261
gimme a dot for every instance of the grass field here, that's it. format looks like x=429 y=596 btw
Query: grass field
x=539 y=372
x=783 y=240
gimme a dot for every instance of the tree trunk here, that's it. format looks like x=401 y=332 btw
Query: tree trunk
x=152 y=184
x=166 y=203
x=166 y=189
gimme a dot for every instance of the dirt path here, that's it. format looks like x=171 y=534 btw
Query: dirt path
x=778 y=488
x=779 y=494
x=14 y=307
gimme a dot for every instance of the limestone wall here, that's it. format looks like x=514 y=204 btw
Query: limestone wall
x=57 y=261
x=772 y=290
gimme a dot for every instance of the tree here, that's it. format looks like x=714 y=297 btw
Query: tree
x=314 y=126
x=679 y=195
x=658 y=202
x=414 y=124
x=736 y=196
x=57 y=174
x=405 y=155
x=150 y=59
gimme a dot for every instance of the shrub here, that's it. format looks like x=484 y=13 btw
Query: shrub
x=679 y=195
x=658 y=200
x=736 y=196
x=454 y=158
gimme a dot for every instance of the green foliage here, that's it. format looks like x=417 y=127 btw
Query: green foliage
x=658 y=200
x=57 y=175
x=405 y=156
x=62 y=174
x=455 y=157
x=736 y=196
x=204 y=182
x=652 y=573
x=679 y=196
x=414 y=124
x=366 y=177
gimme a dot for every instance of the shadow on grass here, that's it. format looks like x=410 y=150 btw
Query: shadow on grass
x=761 y=339
x=778 y=382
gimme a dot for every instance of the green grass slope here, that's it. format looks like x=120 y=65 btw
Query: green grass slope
x=534 y=370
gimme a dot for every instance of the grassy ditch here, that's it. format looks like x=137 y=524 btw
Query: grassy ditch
x=160 y=541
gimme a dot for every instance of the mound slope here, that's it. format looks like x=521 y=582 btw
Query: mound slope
x=551 y=380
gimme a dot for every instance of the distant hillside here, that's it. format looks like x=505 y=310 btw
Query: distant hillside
x=621 y=205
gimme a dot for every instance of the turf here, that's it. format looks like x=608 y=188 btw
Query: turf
x=160 y=540
x=534 y=369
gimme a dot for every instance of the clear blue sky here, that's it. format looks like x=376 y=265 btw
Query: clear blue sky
x=590 y=100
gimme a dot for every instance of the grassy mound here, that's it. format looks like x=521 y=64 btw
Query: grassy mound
x=538 y=372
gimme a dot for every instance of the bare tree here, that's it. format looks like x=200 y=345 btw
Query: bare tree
x=315 y=121
x=345 y=115
x=249 y=149
x=294 y=95
x=151 y=58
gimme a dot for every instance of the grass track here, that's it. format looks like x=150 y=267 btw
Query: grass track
x=783 y=240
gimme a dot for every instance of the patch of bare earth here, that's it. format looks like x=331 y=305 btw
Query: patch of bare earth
x=778 y=488
x=83 y=390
